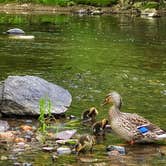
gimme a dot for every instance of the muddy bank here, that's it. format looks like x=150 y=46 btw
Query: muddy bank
x=28 y=8
x=36 y=8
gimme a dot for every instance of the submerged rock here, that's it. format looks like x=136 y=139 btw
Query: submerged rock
x=20 y=95
x=7 y=136
x=67 y=141
x=22 y=37
x=63 y=150
x=116 y=149
x=3 y=125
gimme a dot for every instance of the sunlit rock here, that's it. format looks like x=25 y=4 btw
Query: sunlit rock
x=96 y=12
x=25 y=127
x=15 y=31
x=150 y=13
x=18 y=140
x=64 y=135
x=21 y=96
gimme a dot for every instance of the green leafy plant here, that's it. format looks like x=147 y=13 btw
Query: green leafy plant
x=151 y=5
x=45 y=111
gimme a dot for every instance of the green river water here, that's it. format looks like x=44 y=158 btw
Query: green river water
x=89 y=56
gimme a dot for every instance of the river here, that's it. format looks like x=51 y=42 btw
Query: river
x=89 y=56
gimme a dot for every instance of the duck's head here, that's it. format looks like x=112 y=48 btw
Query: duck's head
x=92 y=112
x=114 y=98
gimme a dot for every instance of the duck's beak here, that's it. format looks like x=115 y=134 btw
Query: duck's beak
x=105 y=102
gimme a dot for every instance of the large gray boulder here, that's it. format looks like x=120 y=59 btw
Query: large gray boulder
x=20 y=95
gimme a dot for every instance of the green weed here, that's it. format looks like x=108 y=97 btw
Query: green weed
x=45 y=111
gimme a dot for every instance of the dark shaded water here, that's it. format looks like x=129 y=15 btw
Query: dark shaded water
x=89 y=56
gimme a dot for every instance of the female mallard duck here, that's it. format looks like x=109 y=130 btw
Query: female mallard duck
x=131 y=127
x=98 y=128
x=85 y=143
x=89 y=115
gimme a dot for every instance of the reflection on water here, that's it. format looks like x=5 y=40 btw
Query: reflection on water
x=90 y=56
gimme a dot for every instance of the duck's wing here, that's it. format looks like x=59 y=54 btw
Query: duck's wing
x=143 y=129
x=135 y=119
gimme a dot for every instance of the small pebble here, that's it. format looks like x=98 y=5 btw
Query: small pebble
x=71 y=117
x=28 y=138
x=63 y=150
x=4 y=158
x=26 y=164
x=17 y=164
x=48 y=149
x=28 y=121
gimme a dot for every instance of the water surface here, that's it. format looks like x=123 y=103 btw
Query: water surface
x=89 y=56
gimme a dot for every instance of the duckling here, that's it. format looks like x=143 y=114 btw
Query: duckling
x=130 y=126
x=89 y=115
x=98 y=128
x=85 y=143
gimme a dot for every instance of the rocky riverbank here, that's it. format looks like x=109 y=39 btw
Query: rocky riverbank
x=14 y=8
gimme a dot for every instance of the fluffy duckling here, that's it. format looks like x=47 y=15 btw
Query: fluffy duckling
x=85 y=143
x=98 y=128
x=89 y=115
x=131 y=127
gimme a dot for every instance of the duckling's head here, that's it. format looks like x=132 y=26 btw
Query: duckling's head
x=98 y=128
x=113 y=97
x=104 y=122
x=92 y=112
x=78 y=147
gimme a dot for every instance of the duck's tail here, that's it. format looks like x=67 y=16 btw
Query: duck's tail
x=161 y=137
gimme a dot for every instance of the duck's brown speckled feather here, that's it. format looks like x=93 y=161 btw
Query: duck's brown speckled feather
x=127 y=125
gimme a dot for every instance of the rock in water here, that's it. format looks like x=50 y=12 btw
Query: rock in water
x=3 y=125
x=63 y=150
x=15 y=31
x=64 y=135
x=114 y=148
x=20 y=95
